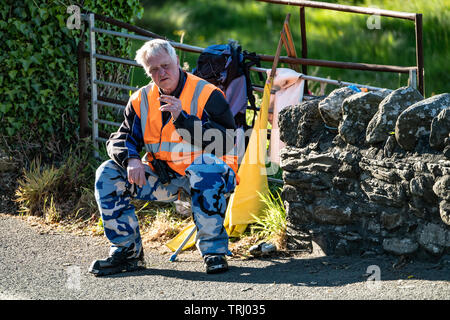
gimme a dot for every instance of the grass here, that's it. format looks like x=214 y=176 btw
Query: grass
x=271 y=225
x=61 y=190
x=331 y=35
x=35 y=188
x=159 y=221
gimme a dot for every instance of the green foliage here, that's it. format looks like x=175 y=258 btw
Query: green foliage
x=331 y=35
x=38 y=77
x=271 y=225
x=59 y=191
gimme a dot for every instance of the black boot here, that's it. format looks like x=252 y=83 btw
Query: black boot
x=215 y=263
x=117 y=263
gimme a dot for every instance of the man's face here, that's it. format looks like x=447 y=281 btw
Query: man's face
x=164 y=72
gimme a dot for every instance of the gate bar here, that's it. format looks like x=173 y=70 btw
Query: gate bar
x=118 y=60
x=116 y=85
x=109 y=104
x=419 y=54
x=304 y=52
x=268 y=58
x=93 y=56
x=324 y=80
x=111 y=123
x=416 y=17
x=345 y=8
x=93 y=83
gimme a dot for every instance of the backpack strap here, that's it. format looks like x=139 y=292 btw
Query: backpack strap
x=253 y=60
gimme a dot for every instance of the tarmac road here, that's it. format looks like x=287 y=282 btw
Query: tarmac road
x=53 y=266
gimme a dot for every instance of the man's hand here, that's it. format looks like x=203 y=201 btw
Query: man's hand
x=173 y=105
x=136 y=172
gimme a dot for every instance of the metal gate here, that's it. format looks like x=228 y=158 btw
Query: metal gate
x=145 y=35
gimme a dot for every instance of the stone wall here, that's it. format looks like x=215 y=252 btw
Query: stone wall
x=368 y=173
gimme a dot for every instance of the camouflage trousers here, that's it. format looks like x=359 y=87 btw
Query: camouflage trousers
x=208 y=181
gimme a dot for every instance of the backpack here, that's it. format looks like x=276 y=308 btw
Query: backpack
x=220 y=64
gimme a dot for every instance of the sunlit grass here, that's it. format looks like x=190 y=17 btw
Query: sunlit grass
x=331 y=35
x=271 y=224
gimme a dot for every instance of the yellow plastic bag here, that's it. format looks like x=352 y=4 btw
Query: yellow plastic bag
x=245 y=201
x=178 y=240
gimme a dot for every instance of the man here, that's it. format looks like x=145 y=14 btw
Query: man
x=170 y=118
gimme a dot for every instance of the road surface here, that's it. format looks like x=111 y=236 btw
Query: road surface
x=53 y=266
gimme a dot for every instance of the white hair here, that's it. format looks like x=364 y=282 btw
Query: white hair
x=154 y=48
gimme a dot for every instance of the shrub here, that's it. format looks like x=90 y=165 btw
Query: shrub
x=36 y=187
x=39 y=100
x=57 y=192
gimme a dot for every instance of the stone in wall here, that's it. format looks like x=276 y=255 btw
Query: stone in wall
x=444 y=210
x=299 y=122
x=433 y=238
x=388 y=111
x=442 y=189
x=357 y=111
x=416 y=120
x=398 y=246
x=330 y=107
x=440 y=130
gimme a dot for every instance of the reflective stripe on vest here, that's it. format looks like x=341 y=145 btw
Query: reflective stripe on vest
x=170 y=146
x=178 y=153
x=198 y=89
x=144 y=113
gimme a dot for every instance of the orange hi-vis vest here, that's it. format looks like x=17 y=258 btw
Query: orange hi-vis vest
x=164 y=141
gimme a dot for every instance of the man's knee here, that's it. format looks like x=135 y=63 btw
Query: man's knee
x=208 y=162
x=106 y=168
x=109 y=175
